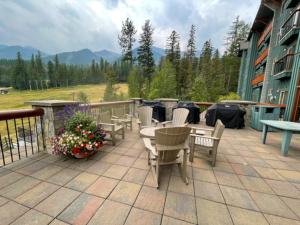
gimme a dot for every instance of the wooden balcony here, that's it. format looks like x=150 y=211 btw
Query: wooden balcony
x=283 y=66
x=258 y=79
x=264 y=34
x=262 y=56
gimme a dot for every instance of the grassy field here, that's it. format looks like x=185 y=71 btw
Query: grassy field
x=15 y=99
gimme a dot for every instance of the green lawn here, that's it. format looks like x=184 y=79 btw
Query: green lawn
x=15 y=99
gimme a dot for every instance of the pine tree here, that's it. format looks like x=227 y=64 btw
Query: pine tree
x=191 y=46
x=126 y=40
x=19 y=78
x=40 y=71
x=56 y=71
x=145 y=55
x=172 y=43
x=51 y=74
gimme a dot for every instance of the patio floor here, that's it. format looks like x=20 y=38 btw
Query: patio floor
x=251 y=184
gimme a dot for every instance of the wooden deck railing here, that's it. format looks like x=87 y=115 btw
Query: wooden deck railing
x=21 y=134
x=258 y=79
x=262 y=56
x=265 y=34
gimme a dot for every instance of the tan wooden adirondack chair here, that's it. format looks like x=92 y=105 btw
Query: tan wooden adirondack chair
x=145 y=117
x=111 y=126
x=122 y=117
x=179 y=118
x=170 y=147
x=207 y=143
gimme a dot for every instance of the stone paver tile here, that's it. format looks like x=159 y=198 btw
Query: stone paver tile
x=176 y=184
x=223 y=167
x=3 y=200
x=81 y=210
x=208 y=191
x=14 y=190
x=294 y=205
x=116 y=171
x=141 y=164
x=81 y=164
x=176 y=171
x=33 y=167
x=276 y=220
x=63 y=177
x=110 y=158
x=57 y=222
x=10 y=212
x=120 y=150
x=163 y=180
x=102 y=187
x=238 y=197
x=33 y=217
x=271 y=204
x=181 y=206
x=134 y=152
x=171 y=221
x=99 y=167
x=125 y=161
x=268 y=173
x=204 y=175
x=236 y=159
x=201 y=163
x=278 y=164
x=284 y=188
x=267 y=156
x=228 y=179
x=35 y=195
x=292 y=176
x=246 y=217
x=257 y=162
x=56 y=202
x=212 y=213
x=255 y=184
x=110 y=213
x=9 y=178
x=82 y=181
x=151 y=199
x=46 y=172
x=244 y=170
x=135 y=175
x=139 y=216
x=125 y=192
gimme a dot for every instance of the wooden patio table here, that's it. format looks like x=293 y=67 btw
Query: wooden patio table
x=288 y=128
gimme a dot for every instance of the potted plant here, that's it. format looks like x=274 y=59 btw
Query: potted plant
x=80 y=137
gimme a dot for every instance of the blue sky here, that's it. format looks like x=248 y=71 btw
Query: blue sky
x=65 y=25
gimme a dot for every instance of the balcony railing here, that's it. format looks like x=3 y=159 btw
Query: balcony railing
x=262 y=56
x=258 y=79
x=264 y=34
x=293 y=21
x=284 y=64
x=21 y=134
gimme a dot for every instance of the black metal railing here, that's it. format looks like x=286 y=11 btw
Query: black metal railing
x=21 y=134
x=284 y=64
x=292 y=21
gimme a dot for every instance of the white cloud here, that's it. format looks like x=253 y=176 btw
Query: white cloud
x=66 y=25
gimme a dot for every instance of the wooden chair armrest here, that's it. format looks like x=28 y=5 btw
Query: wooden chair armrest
x=129 y=116
x=138 y=121
x=155 y=121
x=165 y=123
x=149 y=146
x=202 y=128
x=115 y=117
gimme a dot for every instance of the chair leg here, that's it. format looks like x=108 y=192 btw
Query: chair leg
x=113 y=138
x=130 y=125
x=123 y=132
x=191 y=158
x=184 y=165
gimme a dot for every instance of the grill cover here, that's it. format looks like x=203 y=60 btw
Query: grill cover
x=159 y=110
x=194 y=114
x=231 y=115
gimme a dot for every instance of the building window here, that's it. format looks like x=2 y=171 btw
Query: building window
x=282 y=97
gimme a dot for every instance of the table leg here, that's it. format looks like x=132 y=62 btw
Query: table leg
x=287 y=136
x=264 y=134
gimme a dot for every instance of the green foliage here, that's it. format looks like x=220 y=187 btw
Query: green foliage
x=199 y=91
x=80 y=119
x=230 y=96
x=19 y=78
x=163 y=84
x=135 y=83
x=82 y=97
x=126 y=40
x=110 y=93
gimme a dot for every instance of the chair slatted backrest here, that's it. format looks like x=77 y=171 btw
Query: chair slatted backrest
x=119 y=112
x=145 y=115
x=179 y=116
x=219 y=128
x=104 y=117
x=169 y=141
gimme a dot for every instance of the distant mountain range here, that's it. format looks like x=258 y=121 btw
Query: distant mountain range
x=80 y=57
